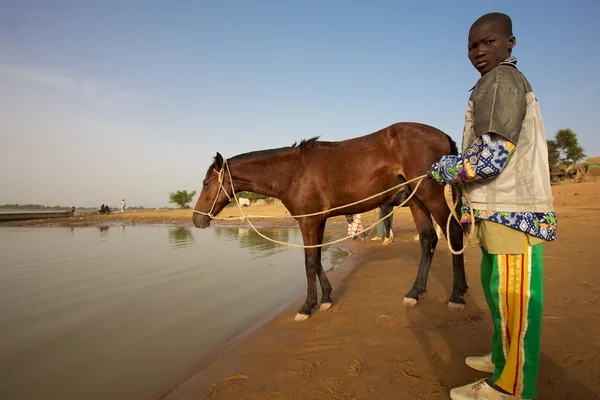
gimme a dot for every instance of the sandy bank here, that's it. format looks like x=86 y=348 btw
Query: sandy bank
x=184 y=218
x=370 y=347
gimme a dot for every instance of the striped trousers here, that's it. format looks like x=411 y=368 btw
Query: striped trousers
x=513 y=288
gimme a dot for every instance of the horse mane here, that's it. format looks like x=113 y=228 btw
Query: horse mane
x=314 y=143
x=305 y=144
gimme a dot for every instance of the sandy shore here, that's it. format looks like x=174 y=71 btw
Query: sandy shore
x=370 y=347
x=184 y=218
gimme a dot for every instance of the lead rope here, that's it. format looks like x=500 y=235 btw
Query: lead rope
x=246 y=218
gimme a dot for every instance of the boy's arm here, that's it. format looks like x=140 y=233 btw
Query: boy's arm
x=499 y=110
x=484 y=159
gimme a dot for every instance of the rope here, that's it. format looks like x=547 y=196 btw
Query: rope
x=246 y=218
x=453 y=214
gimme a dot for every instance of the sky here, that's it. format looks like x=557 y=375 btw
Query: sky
x=104 y=100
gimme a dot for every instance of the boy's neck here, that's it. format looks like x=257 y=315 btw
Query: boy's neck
x=510 y=60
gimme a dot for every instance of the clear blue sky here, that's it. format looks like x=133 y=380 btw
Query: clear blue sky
x=101 y=100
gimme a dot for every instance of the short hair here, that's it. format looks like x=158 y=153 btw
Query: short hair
x=503 y=21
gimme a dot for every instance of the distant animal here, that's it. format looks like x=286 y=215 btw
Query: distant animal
x=315 y=176
x=244 y=202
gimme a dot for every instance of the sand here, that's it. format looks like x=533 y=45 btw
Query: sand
x=368 y=346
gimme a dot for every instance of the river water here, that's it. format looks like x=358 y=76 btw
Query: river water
x=119 y=312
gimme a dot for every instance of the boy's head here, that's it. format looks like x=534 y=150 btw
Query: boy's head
x=490 y=41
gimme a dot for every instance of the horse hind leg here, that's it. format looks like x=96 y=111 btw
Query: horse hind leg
x=428 y=241
x=440 y=211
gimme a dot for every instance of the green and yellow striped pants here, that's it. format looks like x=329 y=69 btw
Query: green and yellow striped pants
x=513 y=288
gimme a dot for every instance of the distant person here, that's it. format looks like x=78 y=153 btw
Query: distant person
x=106 y=209
x=123 y=205
x=384 y=228
x=100 y=209
x=355 y=225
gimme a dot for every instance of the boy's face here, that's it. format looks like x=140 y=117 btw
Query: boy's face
x=488 y=46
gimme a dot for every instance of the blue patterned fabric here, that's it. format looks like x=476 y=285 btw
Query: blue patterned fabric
x=542 y=225
x=482 y=160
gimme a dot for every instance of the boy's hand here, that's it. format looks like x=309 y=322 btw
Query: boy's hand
x=434 y=173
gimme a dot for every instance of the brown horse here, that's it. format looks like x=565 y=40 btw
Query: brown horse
x=315 y=176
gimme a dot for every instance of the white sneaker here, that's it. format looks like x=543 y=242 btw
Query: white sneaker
x=479 y=390
x=387 y=241
x=483 y=363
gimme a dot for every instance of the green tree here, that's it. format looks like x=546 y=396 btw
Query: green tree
x=553 y=154
x=181 y=198
x=568 y=146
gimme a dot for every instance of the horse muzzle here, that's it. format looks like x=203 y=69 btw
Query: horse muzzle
x=201 y=221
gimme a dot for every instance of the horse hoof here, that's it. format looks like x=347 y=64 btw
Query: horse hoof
x=409 y=302
x=324 y=306
x=301 y=317
x=455 y=306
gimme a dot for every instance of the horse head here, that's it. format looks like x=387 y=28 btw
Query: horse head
x=214 y=195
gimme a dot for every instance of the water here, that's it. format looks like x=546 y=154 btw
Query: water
x=119 y=312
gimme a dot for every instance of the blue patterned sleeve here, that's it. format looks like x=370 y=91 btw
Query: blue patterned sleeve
x=484 y=159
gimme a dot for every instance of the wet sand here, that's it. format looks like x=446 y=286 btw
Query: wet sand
x=368 y=346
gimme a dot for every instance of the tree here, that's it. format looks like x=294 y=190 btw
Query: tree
x=567 y=146
x=553 y=154
x=181 y=198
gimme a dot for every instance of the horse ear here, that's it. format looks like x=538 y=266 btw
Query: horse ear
x=218 y=161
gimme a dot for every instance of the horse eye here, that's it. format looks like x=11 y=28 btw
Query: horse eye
x=205 y=184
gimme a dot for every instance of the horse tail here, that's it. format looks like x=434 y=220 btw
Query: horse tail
x=453 y=148
x=456 y=189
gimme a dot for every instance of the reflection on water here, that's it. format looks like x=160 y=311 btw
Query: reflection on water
x=93 y=313
x=258 y=246
x=180 y=237
x=103 y=230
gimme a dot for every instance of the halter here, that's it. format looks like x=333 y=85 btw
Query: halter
x=221 y=186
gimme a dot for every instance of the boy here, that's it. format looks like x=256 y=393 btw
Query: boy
x=504 y=170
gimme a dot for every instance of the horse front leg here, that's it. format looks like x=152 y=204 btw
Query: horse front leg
x=325 y=285
x=312 y=262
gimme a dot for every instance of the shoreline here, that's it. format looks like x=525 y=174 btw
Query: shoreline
x=338 y=276
x=276 y=216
